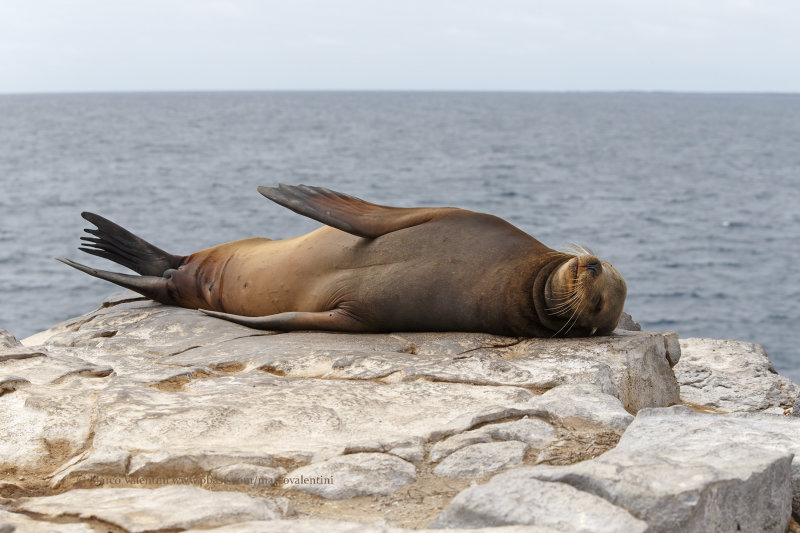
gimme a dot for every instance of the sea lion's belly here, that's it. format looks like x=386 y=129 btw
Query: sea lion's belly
x=258 y=277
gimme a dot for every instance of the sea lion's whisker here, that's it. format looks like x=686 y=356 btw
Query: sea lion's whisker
x=567 y=302
x=567 y=296
x=578 y=311
x=557 y=310
x=574 y=317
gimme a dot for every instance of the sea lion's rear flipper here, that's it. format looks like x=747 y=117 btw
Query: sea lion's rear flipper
x=333 y=320
x=345 y=212
x=112 y=241
x=153 y=287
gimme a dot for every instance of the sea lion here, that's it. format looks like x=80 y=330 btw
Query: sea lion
x=374 y=268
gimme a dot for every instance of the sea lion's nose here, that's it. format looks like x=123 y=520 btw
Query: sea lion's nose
x=594 y=266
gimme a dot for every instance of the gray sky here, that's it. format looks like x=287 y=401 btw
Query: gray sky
x=583 y=45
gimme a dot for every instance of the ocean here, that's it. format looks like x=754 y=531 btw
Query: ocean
x=693 y=197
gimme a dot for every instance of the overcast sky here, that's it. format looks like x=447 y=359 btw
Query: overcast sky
x=572 y=45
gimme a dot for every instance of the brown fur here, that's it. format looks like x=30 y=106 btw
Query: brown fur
x=437 y=269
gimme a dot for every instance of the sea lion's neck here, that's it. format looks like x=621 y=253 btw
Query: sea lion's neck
x=525 y=312
x=539 y=298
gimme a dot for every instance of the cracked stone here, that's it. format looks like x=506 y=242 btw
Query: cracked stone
x=209 y=424
x=48 y=424
x=536 y=433
x=478 y=460
x=531 y=431
x=349 y=476
x=20 y=523
x=732 y=376
x=512 y=498
x=137 y=390
x=717 y=473
x=584 y=401
x=248 y=474
x=157 y=343
x=141 y=510
x=335 y=526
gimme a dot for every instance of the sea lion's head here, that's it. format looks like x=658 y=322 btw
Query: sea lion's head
x=587 y=295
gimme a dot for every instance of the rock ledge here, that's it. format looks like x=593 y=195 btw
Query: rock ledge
x=148 y=417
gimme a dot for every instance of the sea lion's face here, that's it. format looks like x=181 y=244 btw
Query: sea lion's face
x=587 y=294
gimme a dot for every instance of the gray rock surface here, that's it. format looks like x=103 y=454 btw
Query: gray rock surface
x=778 y=432
x=507 y=499
x=249 y=474
x=445 y=447
x=478 y=460
x=349 y=476
x=687 y=472
x=531 y=431
x=579 y=401
x=20 y=523
x=151 y=343
x=157 y=390
x=732 y=376
x=140 y=510
x=627 y=323
x=134 y=406
x=335 y=526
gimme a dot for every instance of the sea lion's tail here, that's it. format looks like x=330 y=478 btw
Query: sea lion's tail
x=114 y=242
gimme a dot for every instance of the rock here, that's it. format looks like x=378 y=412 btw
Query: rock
x=152 y=343
x=516 y=498
x=335 y=526
x=45 y=369
x=732 y=376
x=47 y=425
x=579 y=401
x=209 y=424
x=627 y=323
x=20 y=523
x=349 y=476
x=778 y=432
x=11 y=348
x=445 y=447
x=410 y=451
x=537 y=433
x=531 y=431
x=139 y=394
x=478 y=460
x=686 y=472
x=672 y=346
x=185 y=389
x=140 y=510
x=249 y=474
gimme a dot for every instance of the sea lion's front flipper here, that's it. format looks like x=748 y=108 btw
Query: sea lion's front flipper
x=333 y=320
x=345 y=212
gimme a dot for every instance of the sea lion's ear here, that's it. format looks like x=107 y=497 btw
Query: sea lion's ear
x=346 y=212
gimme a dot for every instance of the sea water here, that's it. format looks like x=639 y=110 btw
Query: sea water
x=695 y=198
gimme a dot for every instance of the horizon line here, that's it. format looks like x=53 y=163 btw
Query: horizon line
x=430 y=91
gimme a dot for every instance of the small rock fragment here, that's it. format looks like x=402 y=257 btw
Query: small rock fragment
x=139 y=510
x=478 y=460
x=511 y=498
x=732 y=376
x=348 y=476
